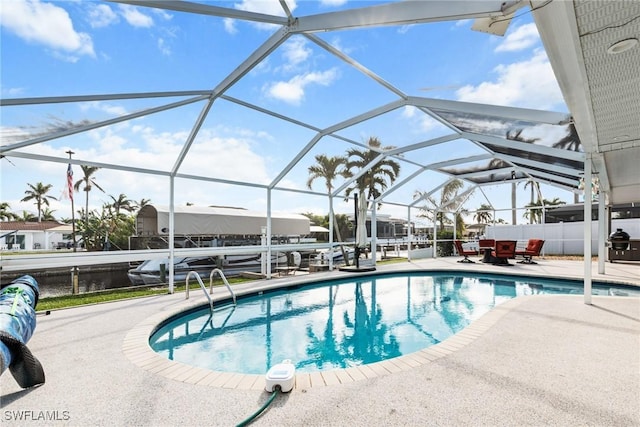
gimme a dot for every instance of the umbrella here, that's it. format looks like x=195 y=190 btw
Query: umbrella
x=361 y=225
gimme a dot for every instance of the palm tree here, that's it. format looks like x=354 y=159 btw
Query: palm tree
x=516 y=135
x=535 y=185
x=142 y=203
x=122 y=203
x=5 y=213
x=329 y=168
x=571 y=141
x=374 y=181
x=87 y=182
x=38 y=193
x=534 y=211
x=25 y=217
x=460 y=225
x=447 y=195
x=483 y=214
x=47 y=215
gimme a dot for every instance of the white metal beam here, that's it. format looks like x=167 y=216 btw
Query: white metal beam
x=271 y=44
x=356 y=65
x=512 y=113
x=66 y=160
x=100 y=97
x=96 y=125
x=458 y=161
x=365 y=116
x=399 y=185
x=536 y=164
x=205 y=9
x=426 y=195
x=525 y=146
x=192 y=136
x=399 y=13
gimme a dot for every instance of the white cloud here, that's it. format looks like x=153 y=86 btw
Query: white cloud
x=463 y=22
x=101 y=16
x=332 y=2
x=46 y=24
x=163 y=14
x=337 y=43
x=12 y=91
x=230 y=25
x=163 y=47
x=530 y=84
x=521 y=38
x=134 y=17
x=113 y=110
x=265 y=7
x=295 y=52
x=292 y=91
x=417 y=118
x=10 y=134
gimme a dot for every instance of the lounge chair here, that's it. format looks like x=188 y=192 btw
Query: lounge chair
x=534 y=246
x=464 y=252
x=504 y=250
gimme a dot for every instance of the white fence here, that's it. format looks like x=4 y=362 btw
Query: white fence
x=564 y=238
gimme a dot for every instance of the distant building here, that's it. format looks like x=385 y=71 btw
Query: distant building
x=575 y=212
x=26 y=235
x=386 y=227
x=213 y=226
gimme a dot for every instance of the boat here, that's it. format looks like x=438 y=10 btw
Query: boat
x=322 y=256
x=156 y=271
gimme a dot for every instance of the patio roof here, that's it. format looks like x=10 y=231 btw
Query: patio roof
x=500 y=144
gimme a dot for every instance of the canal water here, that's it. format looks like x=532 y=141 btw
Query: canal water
x=55 y=282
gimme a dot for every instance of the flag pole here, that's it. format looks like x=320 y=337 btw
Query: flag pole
x=70 y=193
x=75 y=269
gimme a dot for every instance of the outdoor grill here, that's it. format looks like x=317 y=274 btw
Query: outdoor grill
x=619 y=240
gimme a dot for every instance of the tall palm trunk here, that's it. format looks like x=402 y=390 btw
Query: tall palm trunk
x=532 y=213
x=339 y=237
x=513 y=203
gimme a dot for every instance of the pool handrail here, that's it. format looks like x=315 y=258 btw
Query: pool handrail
x=186 y=292
x=224 y=279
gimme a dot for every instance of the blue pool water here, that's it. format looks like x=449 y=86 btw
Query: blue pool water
x=343 y=323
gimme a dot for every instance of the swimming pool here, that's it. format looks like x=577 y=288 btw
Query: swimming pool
x=343 y=323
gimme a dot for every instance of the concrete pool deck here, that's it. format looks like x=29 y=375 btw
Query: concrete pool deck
x=535 y=360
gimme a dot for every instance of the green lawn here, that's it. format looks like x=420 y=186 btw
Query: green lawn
x=66 y=301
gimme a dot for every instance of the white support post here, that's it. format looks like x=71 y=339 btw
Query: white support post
x=602 y=232
x=268 y=233
x=408 y=233
x=171 y=232
x=332 y=225
x=587 y=230
x=374 y=233
x=455 y=228
x=435 y=234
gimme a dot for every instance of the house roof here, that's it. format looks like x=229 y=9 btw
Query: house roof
x=34 y=226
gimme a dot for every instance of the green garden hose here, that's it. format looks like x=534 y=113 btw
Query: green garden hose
x=259 y=411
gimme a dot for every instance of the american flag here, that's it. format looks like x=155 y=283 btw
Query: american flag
x=68 y=193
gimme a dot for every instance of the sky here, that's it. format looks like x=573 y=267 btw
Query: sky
x=64 y=48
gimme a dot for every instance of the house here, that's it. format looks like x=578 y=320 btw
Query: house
x=24 y=235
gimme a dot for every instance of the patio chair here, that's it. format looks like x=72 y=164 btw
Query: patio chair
x=534 y=246
x=464 y=252
x=504 y=250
